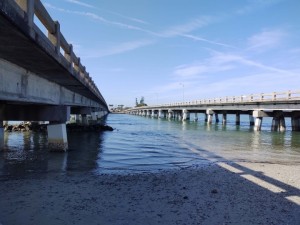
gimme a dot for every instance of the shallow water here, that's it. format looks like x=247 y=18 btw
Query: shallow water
x=140 y=144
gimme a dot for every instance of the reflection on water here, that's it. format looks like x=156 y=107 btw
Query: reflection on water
x=143 y=144
x=27 y=153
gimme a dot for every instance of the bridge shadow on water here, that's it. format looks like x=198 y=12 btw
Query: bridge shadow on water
x=27 y=155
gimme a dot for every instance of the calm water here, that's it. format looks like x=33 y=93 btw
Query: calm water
x=140 y=144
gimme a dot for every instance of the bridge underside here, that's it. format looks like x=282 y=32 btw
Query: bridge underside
x=26 y=96
x=36 y=55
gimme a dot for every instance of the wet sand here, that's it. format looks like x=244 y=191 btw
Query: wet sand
x=220 y=193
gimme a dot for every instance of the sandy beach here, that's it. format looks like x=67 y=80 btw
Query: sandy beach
x=220 y=193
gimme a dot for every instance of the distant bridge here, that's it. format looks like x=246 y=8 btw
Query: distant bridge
x=41 y=79
x=277 y=105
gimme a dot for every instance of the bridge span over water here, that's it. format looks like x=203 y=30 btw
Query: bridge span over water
x=41 y=79
x=277 y=105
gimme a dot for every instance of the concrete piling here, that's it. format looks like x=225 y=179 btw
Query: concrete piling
x=217 y=118
x=251 y=120
x=282 y=126
x=205 y=118
x=196 y=117
x=185 y=115
x=237 y=118
x=258 y=123
x=57 y=137
x=209 y=114
x=295 y=121
x=275 y=124
x=170 y=114
x=1 y=135
x=224 y=119
x=160 y=114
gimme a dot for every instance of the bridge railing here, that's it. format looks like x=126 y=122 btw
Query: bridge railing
x=30 y=8
x=252 y=98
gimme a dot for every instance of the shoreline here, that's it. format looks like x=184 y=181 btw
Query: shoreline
x=219 y=193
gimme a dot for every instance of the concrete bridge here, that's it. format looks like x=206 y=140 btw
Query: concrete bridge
x=257 y=106
x=41 y=79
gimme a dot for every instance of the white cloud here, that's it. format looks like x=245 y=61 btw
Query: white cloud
x=127 y=17
x=190 y=71
x=100 y=19
x=119 y=49
x=80 y=3
x=179 y=30
x=231 y=69
x=236 y=59
x=188 y=27
x=266 y=40
x=254 y=83
x=195 y=38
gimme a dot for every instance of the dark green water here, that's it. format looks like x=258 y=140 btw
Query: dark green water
x=140 y=144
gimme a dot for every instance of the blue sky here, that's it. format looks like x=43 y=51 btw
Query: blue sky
x=170 y=50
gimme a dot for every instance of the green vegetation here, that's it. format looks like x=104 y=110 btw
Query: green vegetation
x=141 y=103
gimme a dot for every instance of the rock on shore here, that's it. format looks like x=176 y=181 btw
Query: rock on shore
x=34 y=126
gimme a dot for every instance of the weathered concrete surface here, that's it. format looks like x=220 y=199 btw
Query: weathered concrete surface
x=57 y=137
x=20 y=85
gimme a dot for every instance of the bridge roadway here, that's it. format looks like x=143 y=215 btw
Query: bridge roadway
x=276 y=105
x=41 y=79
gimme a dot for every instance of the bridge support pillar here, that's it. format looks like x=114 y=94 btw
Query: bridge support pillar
x=185 y=115
x=210 y=118
x=160 y=113
x=251 y=119
x=57 y=137
x=170 y=114
x=224 y=119
x=282 y=126
x=205 y=118
x=237 y=119
x=258 y=123
x=217 y=118
x=84 y=119
x=152 y=114
x=209 y=114
x=179 y=115
x=258 y=114
x=196 y=117
x=1 y=135
x=278 y=122
x=275 y=123
x=295 y=123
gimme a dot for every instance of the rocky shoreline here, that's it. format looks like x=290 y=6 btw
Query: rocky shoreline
x=72 y=127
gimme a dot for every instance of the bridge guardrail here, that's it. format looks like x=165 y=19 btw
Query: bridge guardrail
x=30 y=8
x=252 y=98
